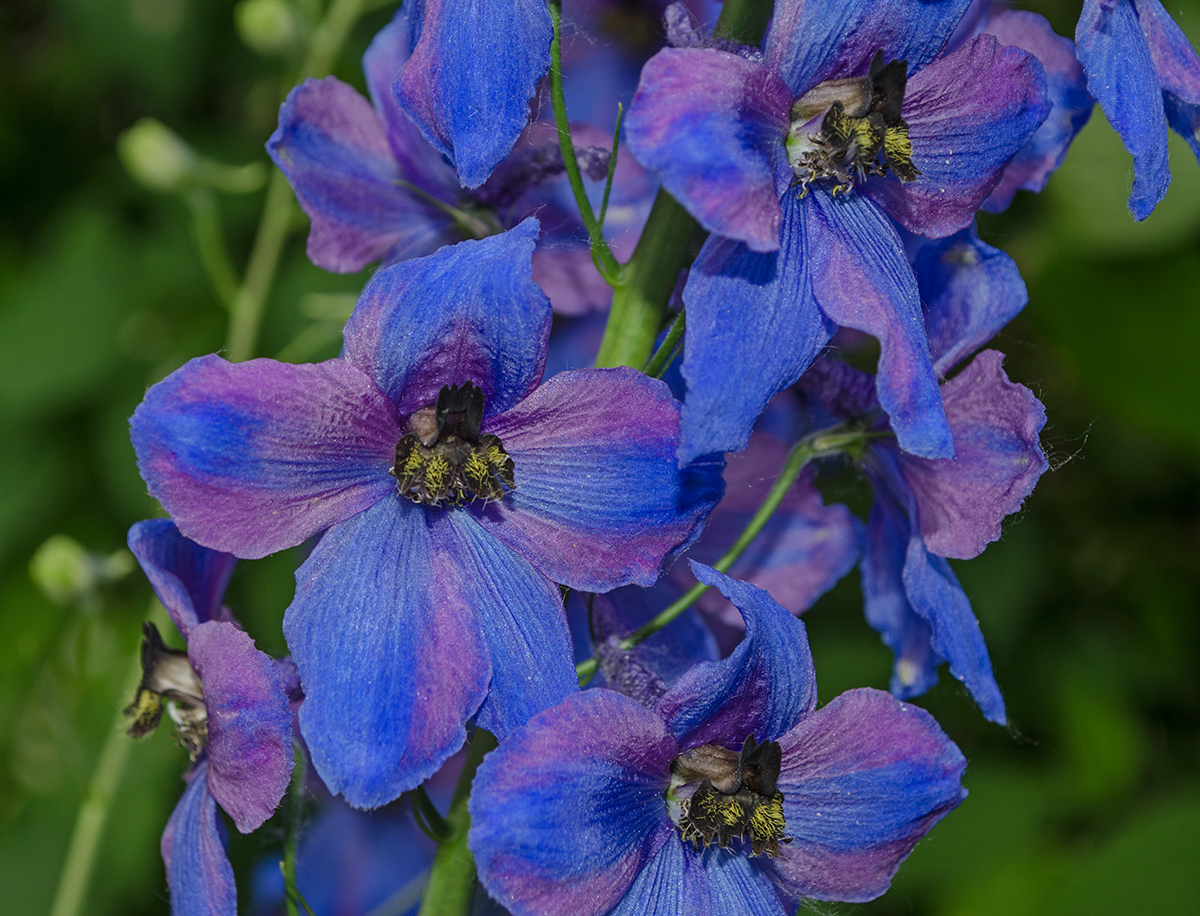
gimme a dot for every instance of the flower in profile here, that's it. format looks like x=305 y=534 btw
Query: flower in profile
x=797 y=160
x=1146 y=76
x=230 y=707
x=456 y=493
x=729 y=793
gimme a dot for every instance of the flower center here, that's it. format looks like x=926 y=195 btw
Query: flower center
x=848 y=129
x=168 y=676
x=736 y=797
x=444 y=459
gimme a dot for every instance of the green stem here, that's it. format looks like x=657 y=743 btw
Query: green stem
x=606 y=262
x=612 y=164
x=427 y=816
x=451 y=888
x=206 y=224
x=663 y=355
x=291 y=896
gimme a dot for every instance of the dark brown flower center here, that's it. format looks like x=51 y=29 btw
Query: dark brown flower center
x=168 y=678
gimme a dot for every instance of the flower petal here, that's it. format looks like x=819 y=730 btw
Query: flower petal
x=1113 y=50
x=475 y=66
x=392 y=669
x=1178 y=68
x=763 y=688
x=193 y=850
x=249 y=723
x=862 y=279
x=968 y=113
x=254 y=457
x=188 y=579
x=746 y=309
x=567 y=811
x=998 y=460
x=520 y=615
x=467 y=313
x=599 y=500
x=863 y=779
x=713 y=123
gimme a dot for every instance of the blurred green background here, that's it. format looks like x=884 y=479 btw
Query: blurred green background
x=1089 y=804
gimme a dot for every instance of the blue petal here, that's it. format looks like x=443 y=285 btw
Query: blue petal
x=862 y=279
x=1120 y=72
x=468 y=313
x=1178 y=68
x=188 y=579
x=391 y=668
x=746 y=309
x=764 y=688
x=193 y=850
x=520 y=615
x=475 y=65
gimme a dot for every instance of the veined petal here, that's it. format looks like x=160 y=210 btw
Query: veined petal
x=193 y=849
x=1178 y=68
x=810 y=41
x=862 y=279
x=713 y=123
x=332 y=149
x=254 y=457
x=1113 y=50
x=467 y=313
x=475 y=65
x=520 y=615
x=863 y=779
x=249 y=723
x=968 y=113
x=600 y=500
x=188 y=579
x=746 y=309
x=763 y=688
x=568 y=810
x=392 y=665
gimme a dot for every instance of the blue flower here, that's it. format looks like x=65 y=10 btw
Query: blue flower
x=230 y=708
x=729 y=794
x=1146 y=76
x=456 y=493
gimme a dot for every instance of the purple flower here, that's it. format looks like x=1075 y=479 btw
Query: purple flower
x=456 y=493
x=730 y=794
x=374 y=189
x=1146 y=76
x=230 y=709
x=798 y=164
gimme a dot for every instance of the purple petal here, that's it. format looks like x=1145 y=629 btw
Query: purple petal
x=968 y=113
x=332 y=148
x=863 y=780
x=802 y=551
x=566 y=812
x=193 y=849
x=468 y=313
x=1178 y=68
x=998 y=460
x=814 y=40
x=473 y=70
x=600 y=500
x=249 y=723
x=762 y=689
x=970 y=290
x=392 y=668
x=746 y=309
x=713 y=123
x=1066 y=90
x=188 y=579
x=862 y=279
x=254 y=457
x=520 y=615
x=1113 y=50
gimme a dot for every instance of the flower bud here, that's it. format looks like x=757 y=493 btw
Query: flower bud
x=156 y=157
x=67 y=573
x=269 y=27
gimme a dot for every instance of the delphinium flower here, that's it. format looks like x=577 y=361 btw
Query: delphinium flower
x=375 y=190
x=926 y=510
x=456 y=493
x=728 y=793
x=797 y=159
x=1146 y=77
x=230 y=707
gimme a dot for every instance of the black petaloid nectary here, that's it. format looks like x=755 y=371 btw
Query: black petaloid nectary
x=168 y=675
x=444 y=459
